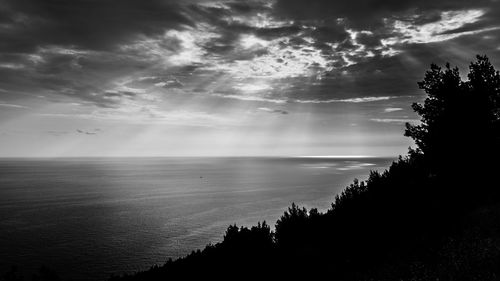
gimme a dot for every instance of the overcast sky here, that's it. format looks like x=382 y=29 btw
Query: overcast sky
x=198 y=78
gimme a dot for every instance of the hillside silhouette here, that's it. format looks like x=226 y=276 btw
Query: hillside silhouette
x=434 y=214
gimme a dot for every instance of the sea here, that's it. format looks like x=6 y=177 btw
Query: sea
x=90 y=218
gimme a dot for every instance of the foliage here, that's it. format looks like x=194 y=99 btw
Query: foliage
x=459 y=119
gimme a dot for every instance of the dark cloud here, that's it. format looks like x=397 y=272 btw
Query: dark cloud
x=370 y=41
x=90 y=24
x=248 y=7
x=329 y=33
x=57 y=133
x=91 y=132
x=119 y=94
x=28 y=80
x=76 y=73
x=370 y=14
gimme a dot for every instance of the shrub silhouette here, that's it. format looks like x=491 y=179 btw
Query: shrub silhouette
x=432 y=215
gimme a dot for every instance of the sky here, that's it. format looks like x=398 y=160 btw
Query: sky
x=226 y=78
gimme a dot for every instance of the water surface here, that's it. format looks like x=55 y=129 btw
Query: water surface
x=88 y=218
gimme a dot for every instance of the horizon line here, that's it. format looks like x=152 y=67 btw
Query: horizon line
x=200 y=156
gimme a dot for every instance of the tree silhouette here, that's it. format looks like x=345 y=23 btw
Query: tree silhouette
x=459 y=130
x=458 y=118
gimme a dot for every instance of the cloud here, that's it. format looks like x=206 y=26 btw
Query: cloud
x=97 y=25
x=450 y=25
x=392 y=109
x=252 y=88
x=368 y=13
x=57 y=133
x=119 y=94
x=270 y=99
x=91 y=132
x=250 y=98
x=9 y=105
x=272 y=110
x=394 y=120
x=173 y=83
x=133 y=112
x=350 y=100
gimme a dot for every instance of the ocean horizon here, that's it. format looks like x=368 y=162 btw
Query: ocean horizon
x=89 y=218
